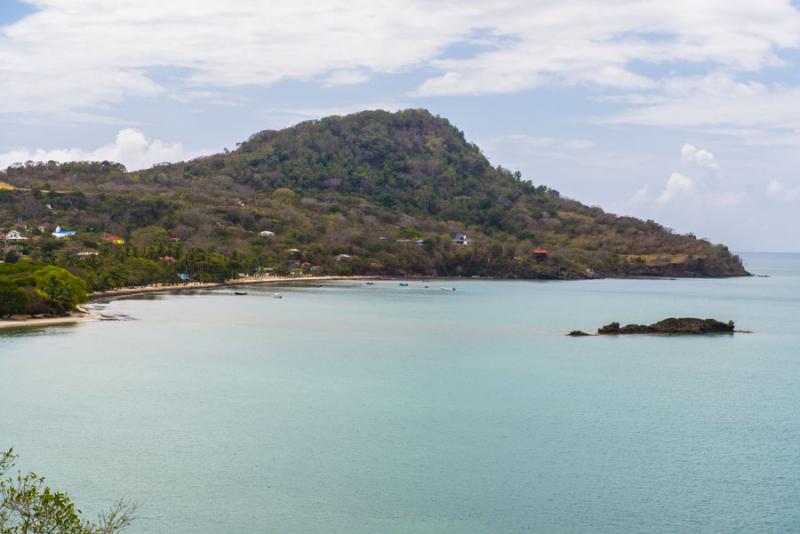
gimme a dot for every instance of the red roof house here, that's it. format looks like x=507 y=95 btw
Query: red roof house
x=540 y=253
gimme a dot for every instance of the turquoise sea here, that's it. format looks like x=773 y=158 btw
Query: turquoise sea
x=353 y=408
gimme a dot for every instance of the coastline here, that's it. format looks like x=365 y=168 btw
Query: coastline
x=161 y=288
x=81 y=315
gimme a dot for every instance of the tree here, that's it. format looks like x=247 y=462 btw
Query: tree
x=13 y=300
x=28 y=506
x=63 y=289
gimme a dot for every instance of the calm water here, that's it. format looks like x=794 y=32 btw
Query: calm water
x=354 y=408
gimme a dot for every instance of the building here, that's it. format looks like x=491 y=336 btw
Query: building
x=344 y=257
x=540 y=254
x=14 y=235
x=266 y=233
x=61 y=234
x=461 y=239
x=115 y=239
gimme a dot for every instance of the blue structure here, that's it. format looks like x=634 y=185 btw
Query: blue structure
x=60 y=234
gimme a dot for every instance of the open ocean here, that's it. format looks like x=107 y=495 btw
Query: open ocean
x=353 y=408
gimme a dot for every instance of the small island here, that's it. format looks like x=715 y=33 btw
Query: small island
x=672 y=325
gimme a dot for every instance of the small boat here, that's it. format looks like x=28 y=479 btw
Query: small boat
x=277 y=296
x=403 y=284
x=448 y=289
x=240 y=292
x=370 y=283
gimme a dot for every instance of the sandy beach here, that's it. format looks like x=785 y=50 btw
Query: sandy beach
x=82 y=314
x=167 y=288
x=78 y=316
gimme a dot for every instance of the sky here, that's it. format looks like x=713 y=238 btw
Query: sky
x=686 y=112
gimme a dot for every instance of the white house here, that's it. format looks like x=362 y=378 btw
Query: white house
x=14 y=235
x=461 y=239
x=266 y=233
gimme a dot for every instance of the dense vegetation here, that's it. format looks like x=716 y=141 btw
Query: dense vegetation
x=372 y=193
x=27 y=288
x=28 y=506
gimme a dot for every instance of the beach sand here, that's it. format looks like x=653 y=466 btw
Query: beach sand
x=82 y=314
x=78 y=316
x=166 y=288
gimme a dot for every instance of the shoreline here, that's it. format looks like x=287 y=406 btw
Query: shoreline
x=81 y=315
x=144 y=290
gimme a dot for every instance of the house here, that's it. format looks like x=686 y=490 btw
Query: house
x=61 y=234
x=87 y=253
x=344 y=257
x=167 y=259
x=184 y=277
x=266 y=233
x=420 y=242
x=175 y=239
x=316 y=268
x=540 y=254
x=293 y=264
x=2 y=236
x=115 y=239
x=14 y=235
x=461 y=239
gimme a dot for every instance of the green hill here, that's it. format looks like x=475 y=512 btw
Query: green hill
x=372 y=193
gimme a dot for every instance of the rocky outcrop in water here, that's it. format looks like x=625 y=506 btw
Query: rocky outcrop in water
x=673 y=325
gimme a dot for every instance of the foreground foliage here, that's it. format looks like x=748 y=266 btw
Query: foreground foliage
x=28 y=506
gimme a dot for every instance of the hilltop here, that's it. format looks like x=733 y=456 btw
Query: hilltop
x=368 y=193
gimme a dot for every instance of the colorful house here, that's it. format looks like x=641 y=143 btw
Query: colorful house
x=540 y=254
x=115 y=239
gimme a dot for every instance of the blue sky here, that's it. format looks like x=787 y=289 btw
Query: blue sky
x=684 y=112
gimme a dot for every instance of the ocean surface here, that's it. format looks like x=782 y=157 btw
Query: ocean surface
x=378 y=408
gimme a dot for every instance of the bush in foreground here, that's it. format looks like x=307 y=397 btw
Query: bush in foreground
x=27 y=506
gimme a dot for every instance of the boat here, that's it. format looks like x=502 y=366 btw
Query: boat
x=403 y=284
x=277 y=296
x=370 y=283
x=240 y=292
x=448 y=289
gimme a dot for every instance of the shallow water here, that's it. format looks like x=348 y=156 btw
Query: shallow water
x=355 y=408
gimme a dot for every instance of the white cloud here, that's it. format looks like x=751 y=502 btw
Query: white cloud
x=775 y=188
x=779 y=190
x=720 y=102
x=131 y=148
x=677 y=185
x=697 y=156
x=108 y=51
x=640 y=196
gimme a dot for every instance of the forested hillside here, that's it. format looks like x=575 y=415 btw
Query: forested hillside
x=369 y=193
